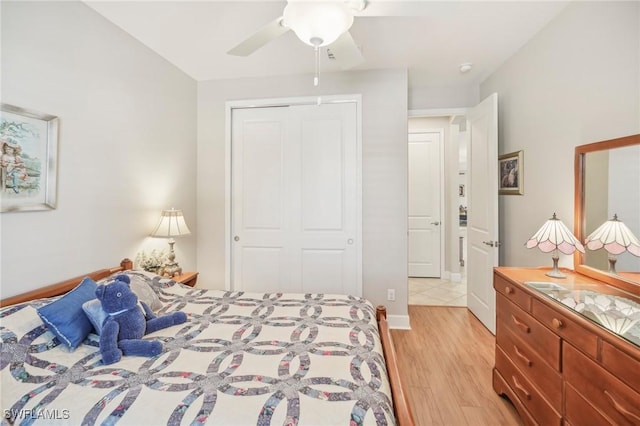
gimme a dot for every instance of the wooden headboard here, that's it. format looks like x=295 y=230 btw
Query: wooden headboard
x=64 y=286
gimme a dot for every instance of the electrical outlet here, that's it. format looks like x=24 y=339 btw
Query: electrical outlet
x=391 y=294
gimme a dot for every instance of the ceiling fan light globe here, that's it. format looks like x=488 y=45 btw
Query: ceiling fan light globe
x=318 y=23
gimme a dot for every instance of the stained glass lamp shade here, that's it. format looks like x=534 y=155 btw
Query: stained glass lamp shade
x=616 y=238
x=555 y=237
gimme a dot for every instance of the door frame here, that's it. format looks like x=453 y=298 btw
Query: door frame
x=452 y=219
x=443 y=221
x=286 y=102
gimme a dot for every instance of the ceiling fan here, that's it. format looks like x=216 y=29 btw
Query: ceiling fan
x=316 y=23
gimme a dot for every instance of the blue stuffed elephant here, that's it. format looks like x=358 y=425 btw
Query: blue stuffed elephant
x=127 y=321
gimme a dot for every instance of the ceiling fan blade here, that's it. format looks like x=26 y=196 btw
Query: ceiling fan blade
x=264 y=35
x=346 y=51
x=382 y=8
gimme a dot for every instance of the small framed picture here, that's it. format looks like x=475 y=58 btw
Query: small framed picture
x=510 y=172
x=28 y=159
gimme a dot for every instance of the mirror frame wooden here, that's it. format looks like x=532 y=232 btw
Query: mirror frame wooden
x=578 y=258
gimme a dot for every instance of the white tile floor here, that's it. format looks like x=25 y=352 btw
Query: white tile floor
x=437 y=292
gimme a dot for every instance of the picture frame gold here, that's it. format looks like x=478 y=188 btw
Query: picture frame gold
x=511 y=173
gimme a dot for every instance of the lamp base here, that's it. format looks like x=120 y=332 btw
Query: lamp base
x=555 y=272
x=170 y=268
x=612 y=264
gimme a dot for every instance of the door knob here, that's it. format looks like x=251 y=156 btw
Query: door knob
x=236 y=238
x=435 y=223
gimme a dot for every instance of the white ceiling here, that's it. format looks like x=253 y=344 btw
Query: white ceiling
x=429 y=38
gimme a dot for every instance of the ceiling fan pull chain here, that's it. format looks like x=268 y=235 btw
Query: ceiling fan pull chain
x=316 y=78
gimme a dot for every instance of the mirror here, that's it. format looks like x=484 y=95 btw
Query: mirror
x=607 y=182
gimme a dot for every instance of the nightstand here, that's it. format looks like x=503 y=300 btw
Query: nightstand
x=187 y=278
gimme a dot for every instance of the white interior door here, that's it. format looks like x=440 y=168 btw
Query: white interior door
x=294 y=199
x=259 y=190
x=425 y=193
x=482 y=219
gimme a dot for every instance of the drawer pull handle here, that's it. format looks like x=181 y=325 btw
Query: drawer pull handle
x=520 y=388
x=508 y=290
x=526 y=360
x=520 y=324
x=626 y=413
x=557 y=323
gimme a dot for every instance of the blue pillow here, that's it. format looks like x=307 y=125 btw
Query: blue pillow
x=65 y=317
x=93 y=310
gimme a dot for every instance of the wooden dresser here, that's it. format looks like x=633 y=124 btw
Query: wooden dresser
x=554 y=361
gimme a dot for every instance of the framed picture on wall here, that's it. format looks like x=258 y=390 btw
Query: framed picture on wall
x=510 y=172
x=28 y=159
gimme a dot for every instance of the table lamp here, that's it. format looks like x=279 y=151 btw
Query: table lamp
x=554 y=236
x=171 y=225
x=616 y=238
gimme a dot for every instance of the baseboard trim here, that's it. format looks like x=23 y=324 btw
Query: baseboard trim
x=399 y=322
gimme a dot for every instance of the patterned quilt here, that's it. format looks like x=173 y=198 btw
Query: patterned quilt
x=241 y=359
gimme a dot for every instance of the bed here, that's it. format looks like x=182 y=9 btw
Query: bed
x=240 y=359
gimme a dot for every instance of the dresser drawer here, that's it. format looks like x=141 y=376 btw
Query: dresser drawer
x=604 y=392
x=531 y=364
x=622 y=365
x=530 y=331
x=566 y=328
x=527 y=394
x=578 y=411
x=502 y=388
x=512 y=292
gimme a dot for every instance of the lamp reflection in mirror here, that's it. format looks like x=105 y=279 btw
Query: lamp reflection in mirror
x=171 y=225
x=555 y=237
x=616 y=313
x=616 y=238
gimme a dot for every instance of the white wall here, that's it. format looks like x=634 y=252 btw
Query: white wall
x=443 y=97
x=384 y=154
x=576 y=82
x=126 y=148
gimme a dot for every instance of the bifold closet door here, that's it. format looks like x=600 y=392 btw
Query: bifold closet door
x=294 y=199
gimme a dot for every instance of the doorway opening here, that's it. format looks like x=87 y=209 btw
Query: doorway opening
x=449 y=286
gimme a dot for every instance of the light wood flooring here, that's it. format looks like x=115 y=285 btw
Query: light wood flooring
x=446 y=362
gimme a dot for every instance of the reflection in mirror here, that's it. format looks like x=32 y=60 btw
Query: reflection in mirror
x=616 y=238
x=610 y=176
x=612 y=186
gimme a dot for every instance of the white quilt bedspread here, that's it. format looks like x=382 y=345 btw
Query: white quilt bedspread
x=241 y=359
